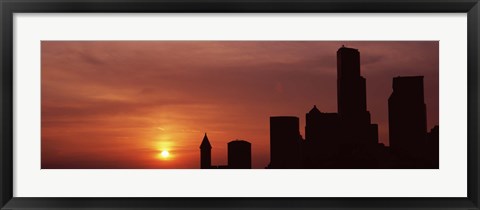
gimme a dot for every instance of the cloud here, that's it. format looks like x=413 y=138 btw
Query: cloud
x=103 y=100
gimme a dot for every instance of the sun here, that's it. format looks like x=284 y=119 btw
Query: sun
x=165 y=154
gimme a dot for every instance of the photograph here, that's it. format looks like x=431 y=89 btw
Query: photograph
x=240 y=104
x=247 y=104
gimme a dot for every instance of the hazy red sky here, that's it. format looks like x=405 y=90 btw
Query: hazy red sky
x=119 y=104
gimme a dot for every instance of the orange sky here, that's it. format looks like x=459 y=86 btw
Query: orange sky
x=119 y=104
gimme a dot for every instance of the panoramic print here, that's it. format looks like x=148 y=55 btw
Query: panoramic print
x=240 y=105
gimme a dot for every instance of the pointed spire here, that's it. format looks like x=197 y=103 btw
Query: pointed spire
x=205 y=143
x=314 y=110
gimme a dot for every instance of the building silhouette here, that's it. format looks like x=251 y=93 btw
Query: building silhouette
x=285 y=142
x=205 y=153
x=348 y=139
x=322 y=131
x=324 y=127
x=239 y=154
x=407 y=118
x=433 y=148
x=352 y=99
x=351 y=87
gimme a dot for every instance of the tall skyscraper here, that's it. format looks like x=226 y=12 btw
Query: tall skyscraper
x=205 y=153
x=285 y=142
x=352 y=99
x=351 y=87
x=407 y=116
x=239 y=154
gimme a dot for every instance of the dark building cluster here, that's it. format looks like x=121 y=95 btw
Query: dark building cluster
x=348 y=139
x=239 y=155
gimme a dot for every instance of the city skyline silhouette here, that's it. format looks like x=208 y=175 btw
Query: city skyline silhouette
x=348 y=139
x=129 y=104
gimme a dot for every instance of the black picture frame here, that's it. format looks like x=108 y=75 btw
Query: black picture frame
x=10 y=7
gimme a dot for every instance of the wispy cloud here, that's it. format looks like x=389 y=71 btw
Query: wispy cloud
x=110 y=104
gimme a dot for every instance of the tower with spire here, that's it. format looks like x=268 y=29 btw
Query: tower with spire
x=205 y=153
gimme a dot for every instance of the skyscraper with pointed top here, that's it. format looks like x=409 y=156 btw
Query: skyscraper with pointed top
x=205 y=153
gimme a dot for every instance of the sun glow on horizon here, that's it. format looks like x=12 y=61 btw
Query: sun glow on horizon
x=165 y=154
x=150 y=109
